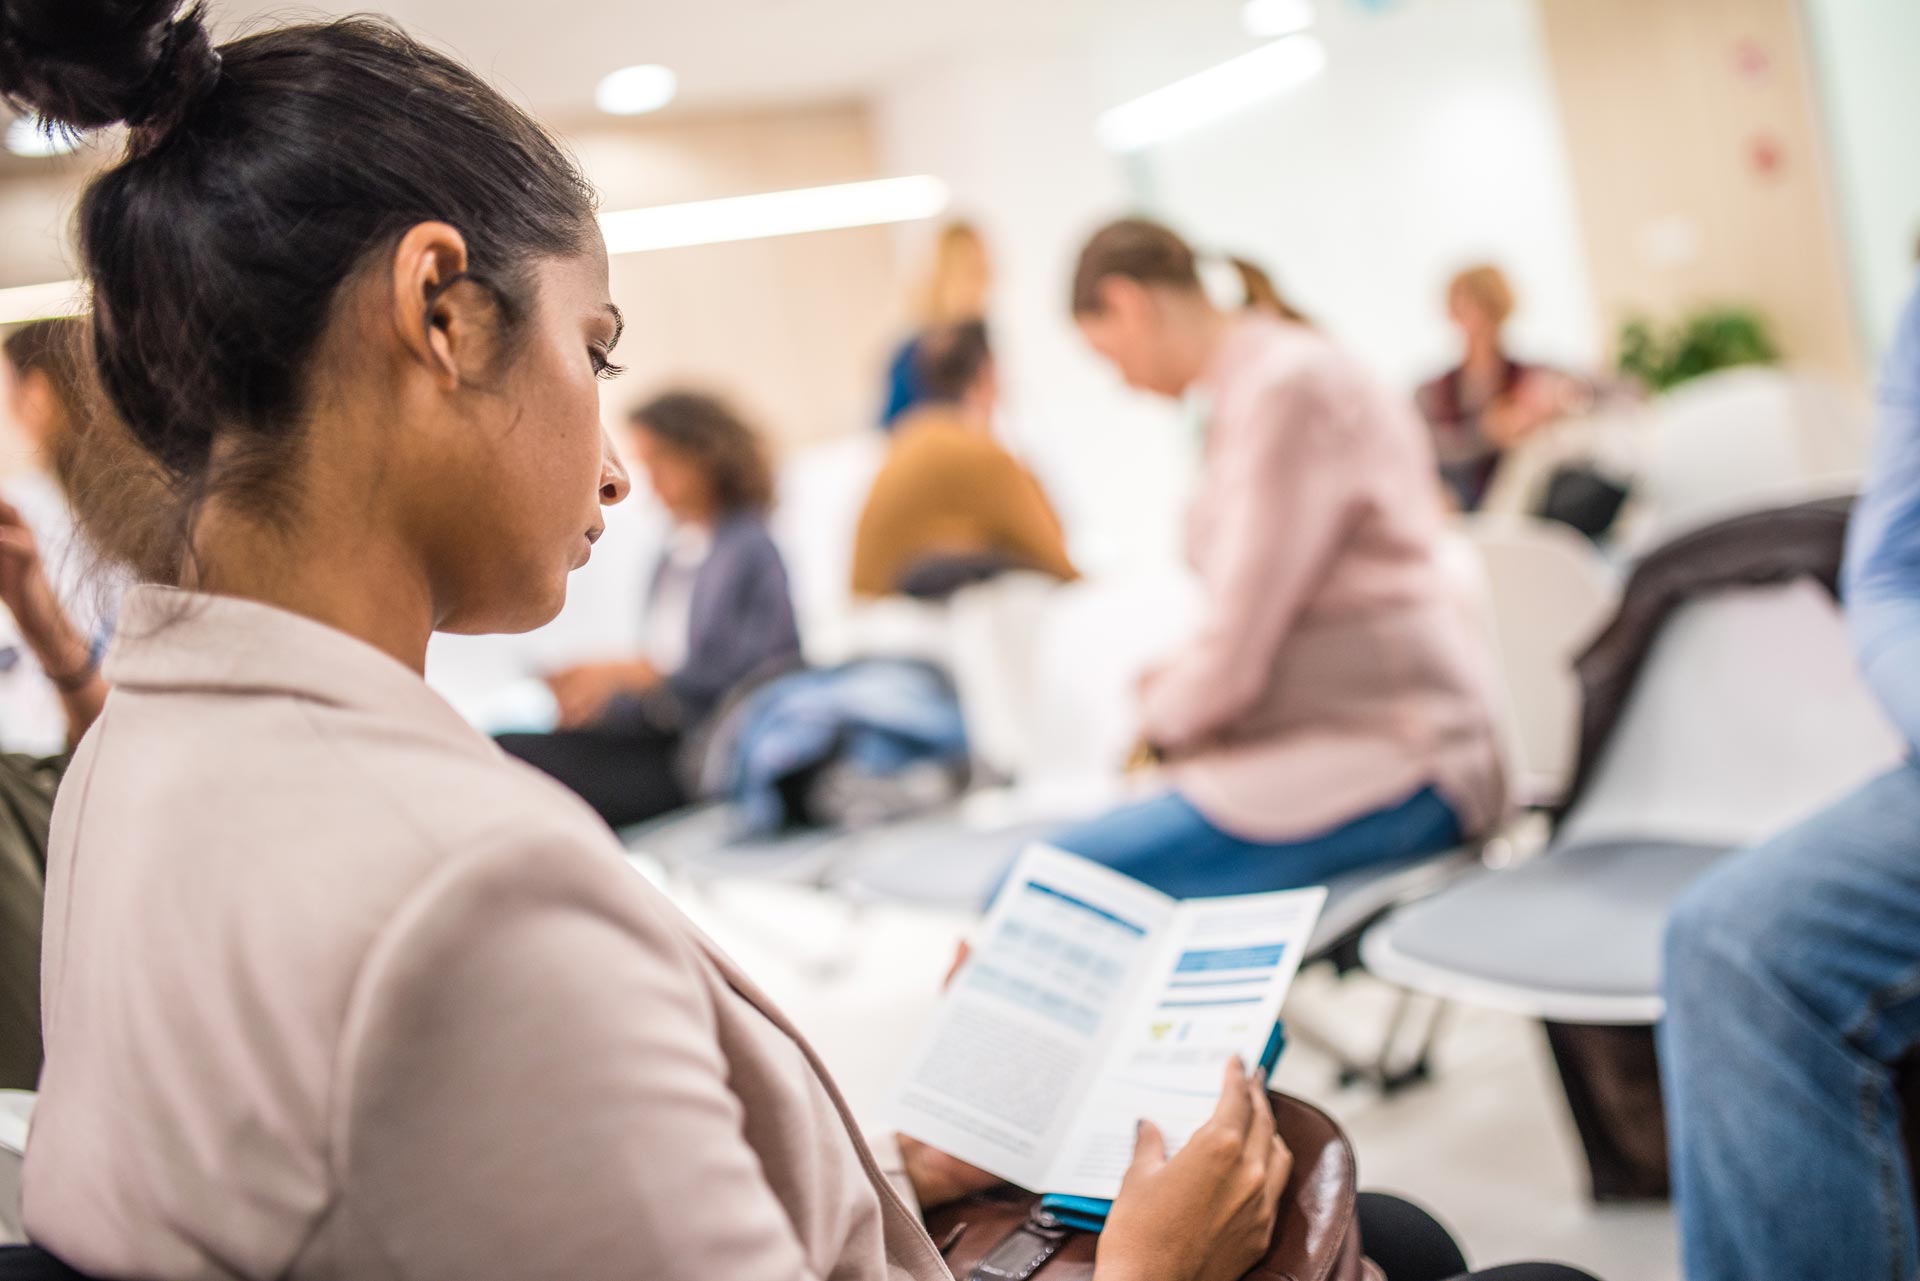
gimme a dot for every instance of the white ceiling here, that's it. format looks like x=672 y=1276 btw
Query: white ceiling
x=727 y=53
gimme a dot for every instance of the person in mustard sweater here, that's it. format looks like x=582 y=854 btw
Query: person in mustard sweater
x=951 y=505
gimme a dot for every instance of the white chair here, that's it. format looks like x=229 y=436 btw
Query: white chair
x=1744 y=439
x=1047 y=671
x=16 y=1110
x=1747 y=716
x=1549 y=593
x=823 y=489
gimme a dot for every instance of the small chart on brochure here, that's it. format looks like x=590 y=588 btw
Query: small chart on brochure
x=1089 y=1002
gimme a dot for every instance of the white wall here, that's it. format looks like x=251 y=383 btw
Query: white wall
x=1431 y=139
x=1865 y=54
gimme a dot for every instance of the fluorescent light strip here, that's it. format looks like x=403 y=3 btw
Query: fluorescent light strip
x=1212 y=94
x=774 y=213
x=42 y=302
x=632 y=231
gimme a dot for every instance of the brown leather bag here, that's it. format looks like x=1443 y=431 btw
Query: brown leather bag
x=1316 y=1238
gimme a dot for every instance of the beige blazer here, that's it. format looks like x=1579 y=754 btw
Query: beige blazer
x=333 y=989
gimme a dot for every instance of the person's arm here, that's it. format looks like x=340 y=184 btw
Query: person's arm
x=1281 y=500
x=1018 y=516
x=1883 y=551
x=755 y=625
x=65 y=653
x=533 y=1085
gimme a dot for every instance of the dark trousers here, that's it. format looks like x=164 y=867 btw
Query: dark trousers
x=1409 y=1245
x=26 y=808
x=626 y=774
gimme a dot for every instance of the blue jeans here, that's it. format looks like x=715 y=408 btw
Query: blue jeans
x=1793 y=987
x=1170 y=845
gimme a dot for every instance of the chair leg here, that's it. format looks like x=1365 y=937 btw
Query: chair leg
x=1381 y=1069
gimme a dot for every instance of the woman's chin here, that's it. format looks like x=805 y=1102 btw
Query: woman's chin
x=524 y=612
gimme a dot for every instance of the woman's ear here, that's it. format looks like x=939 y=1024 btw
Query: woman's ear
x=438 y=316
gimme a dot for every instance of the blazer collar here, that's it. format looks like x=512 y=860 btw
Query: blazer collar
x=169 y=640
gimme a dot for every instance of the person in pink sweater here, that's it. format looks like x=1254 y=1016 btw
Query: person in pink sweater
x=1334 y=707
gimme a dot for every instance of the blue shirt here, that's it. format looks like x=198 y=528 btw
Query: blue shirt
x=1883 y=543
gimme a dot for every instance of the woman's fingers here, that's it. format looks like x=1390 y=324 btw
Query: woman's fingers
x=1260 y=1126
x=1279 y=1171
x=1149 y=1150
x=1233 y=1113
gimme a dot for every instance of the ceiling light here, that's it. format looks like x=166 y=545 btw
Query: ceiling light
x=634 y=91
x=629 y=231
x=773 y=213
x=1208 y=95
x=28 y=136
x=42 y=302
x=1270 y=19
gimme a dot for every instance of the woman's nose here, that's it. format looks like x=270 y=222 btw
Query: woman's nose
x=615 y=484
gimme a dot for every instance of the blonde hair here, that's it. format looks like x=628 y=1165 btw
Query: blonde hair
x=1485 y=285
x=956 y=285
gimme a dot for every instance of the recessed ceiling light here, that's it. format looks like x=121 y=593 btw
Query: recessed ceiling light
x=634 y=91
x=1209 y=95
x=27 y=136
x=1270 y=19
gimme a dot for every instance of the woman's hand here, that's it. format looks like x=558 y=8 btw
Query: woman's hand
x=65 y=653
x=1208 y=1214
x=938 y=1178
x=584 y=690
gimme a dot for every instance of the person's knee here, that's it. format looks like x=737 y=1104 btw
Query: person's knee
x=1716 y=931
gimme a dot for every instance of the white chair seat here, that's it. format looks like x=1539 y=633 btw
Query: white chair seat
x=1573 y=936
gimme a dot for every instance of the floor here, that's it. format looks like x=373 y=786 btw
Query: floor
x=1487 y=1145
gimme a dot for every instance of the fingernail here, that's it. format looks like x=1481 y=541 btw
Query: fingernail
x=1139 y=1130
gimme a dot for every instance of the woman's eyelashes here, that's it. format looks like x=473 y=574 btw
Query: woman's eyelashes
x=603 y=367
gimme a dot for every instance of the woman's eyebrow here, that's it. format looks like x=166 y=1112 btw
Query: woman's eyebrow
x=619 y=325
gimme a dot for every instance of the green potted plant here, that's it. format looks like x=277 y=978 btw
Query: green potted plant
x=1712 y=338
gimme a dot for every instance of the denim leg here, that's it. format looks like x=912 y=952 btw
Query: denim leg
x=1169 y=844
x=1792 y=981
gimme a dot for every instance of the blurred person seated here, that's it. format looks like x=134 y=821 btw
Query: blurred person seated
x=955 y=290
x=1792 y=971
x=718 y=615
x=49 y=398
x=27 y=787
x=1490 y=402
x=1334 y=707
x=44 y=382
x=950 y=505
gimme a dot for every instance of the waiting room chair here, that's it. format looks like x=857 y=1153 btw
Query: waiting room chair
x=1550 y=592
x=1743 y=440
x=1746 y=716
x=16 y=1110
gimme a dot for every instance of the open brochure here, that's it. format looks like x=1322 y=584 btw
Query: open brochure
x=1091 y=1001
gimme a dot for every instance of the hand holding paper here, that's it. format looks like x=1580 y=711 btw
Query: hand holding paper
x=1092 y=1002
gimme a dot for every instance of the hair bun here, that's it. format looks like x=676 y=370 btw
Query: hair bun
x=84 y=64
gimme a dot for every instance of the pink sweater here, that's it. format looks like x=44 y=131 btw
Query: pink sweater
x=1337 y=670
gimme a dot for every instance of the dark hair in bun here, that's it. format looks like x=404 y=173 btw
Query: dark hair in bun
x=132 y=62
x=258 y=179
